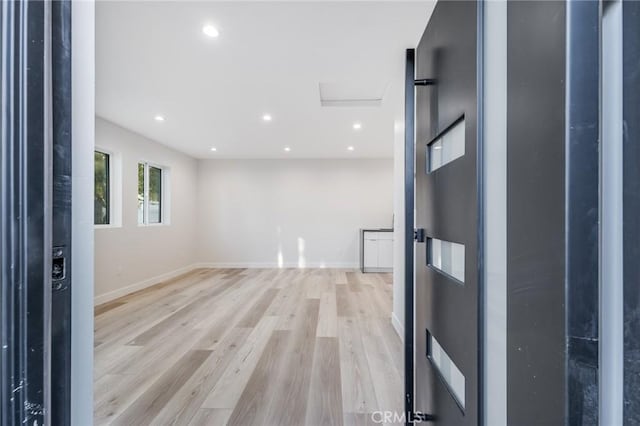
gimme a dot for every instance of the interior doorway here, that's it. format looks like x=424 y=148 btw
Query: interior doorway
x=247 y=231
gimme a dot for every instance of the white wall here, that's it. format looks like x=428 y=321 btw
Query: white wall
x=130 y=257
x=290 y=212
x=82 y=138
x=247 y=213
x=397 y=316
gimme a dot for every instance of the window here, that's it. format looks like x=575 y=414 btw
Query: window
x=107 y=202
x=102 y=189
x=446 y=257
x=150 y=194
x=447 y=370
x=446 y=147
x=141 y=169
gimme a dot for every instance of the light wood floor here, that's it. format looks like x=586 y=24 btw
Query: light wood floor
x=249 y=346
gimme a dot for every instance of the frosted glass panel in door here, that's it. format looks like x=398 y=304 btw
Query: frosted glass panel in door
x=447 y=257
x=447 y=147
x=449 y=371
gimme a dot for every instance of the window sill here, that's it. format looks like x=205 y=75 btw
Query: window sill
x=152 y=225
x=110 y=226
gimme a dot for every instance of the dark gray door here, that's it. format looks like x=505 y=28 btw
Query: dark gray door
x=447 y=325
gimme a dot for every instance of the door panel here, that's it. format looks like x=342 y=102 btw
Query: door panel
x=446 y=308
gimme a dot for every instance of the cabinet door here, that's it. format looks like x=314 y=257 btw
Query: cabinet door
x=370 y=251
x=385 y=253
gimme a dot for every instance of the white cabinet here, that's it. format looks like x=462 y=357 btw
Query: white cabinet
x=385 y=254
x=370 y=252
x=376 y=247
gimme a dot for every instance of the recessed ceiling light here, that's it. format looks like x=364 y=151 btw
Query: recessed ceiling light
x=210 y=31
x=159 y=118
x=267 y=117
x=350 y=148
x=214 y=149
x=287 y=149
x=357 y=126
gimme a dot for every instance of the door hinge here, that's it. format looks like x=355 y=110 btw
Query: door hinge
x=419 y=235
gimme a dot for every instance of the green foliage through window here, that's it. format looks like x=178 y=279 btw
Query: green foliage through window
x=140 y=193
x=155 y=195
x=101 y=200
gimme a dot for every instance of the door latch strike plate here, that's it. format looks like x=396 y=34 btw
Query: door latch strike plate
x=58 y=268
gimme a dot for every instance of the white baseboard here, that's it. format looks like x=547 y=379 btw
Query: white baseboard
x=397 y=325
x=112 y=295
x=274 y=265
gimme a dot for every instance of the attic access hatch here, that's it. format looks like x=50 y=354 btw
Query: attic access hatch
x=353 y=94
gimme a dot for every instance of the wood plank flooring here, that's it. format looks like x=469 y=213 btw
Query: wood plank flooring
x=249 y=347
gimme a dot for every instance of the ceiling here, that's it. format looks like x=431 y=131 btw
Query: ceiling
x=152 y=58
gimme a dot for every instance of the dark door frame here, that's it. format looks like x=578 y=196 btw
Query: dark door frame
x=61 y=212
x=35 y=212
x=631 y=209
x=24 y=226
